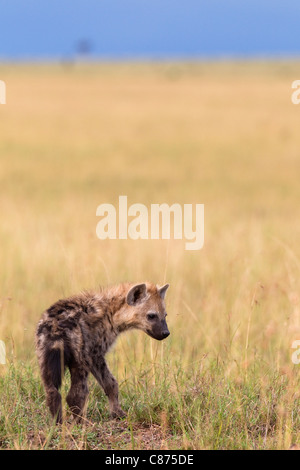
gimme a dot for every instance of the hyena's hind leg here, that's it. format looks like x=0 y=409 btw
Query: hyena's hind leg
x=110 y=386
x=78 y=393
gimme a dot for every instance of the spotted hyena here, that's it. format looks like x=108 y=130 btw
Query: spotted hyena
x=78 y=331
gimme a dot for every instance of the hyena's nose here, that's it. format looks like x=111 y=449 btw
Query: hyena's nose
x=165 y=334
x=165 y=330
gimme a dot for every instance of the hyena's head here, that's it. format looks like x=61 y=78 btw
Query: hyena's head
x=148 y=309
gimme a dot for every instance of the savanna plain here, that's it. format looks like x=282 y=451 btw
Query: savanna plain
x=226 y=135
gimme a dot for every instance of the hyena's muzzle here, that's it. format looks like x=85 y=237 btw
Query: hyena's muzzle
x=159 y=329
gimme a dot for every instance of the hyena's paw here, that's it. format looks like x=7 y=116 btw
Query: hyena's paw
x=118 y=414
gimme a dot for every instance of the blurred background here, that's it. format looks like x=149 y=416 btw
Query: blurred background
x=163 y=102
x=37 y=29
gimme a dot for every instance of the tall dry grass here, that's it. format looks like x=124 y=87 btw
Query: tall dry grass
x=222 y=134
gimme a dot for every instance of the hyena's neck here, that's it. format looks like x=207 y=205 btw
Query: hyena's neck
x=123 y=319
x=115 y=308
x=113 y=303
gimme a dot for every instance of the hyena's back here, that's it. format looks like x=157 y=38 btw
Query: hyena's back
x=63 y=335
x=64 y=338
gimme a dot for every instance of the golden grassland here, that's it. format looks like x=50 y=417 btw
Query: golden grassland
x=73 y=136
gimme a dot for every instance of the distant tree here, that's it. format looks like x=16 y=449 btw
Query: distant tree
x=83 y=47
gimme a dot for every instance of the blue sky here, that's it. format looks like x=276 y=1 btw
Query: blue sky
x=50 y=29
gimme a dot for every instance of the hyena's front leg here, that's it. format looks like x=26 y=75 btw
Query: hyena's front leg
x=110 y=386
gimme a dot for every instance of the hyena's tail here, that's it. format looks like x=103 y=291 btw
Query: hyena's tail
x=53 y=366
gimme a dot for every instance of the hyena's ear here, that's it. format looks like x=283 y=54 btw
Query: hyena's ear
x=162 y=291
x=137 y=294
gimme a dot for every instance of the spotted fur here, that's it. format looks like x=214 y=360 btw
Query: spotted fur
x=78 y=331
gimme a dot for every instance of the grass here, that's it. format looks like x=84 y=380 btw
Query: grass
x=222 y=134
x=199 y=408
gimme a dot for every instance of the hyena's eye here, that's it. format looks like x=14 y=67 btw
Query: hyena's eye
x=152 y=316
